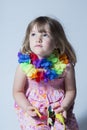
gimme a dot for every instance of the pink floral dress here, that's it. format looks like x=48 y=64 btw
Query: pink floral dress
x=41 y=95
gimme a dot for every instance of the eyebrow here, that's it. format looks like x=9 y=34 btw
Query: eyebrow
x=46 y=31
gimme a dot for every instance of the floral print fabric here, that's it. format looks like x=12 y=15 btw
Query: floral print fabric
x=41 y=95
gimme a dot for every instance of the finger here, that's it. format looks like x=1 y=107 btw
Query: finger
x=55 y=105
x=59 y=110
x=30 y=108
x=32 y=113
x=65 y=114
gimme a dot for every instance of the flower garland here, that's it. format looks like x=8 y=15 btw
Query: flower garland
x=43 y=69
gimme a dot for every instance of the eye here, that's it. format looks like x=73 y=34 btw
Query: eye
x=33 y=34
x=45 y=35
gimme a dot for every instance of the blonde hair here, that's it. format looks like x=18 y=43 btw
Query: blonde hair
x=57 y=33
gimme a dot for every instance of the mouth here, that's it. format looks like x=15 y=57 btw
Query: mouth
x=38 y=46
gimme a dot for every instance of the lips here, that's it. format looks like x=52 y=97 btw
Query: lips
x=38 y=45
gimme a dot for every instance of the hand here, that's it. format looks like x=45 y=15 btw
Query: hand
x=59 y=109
x=30 y=110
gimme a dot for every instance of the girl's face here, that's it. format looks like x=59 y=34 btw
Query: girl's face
x=41 y=43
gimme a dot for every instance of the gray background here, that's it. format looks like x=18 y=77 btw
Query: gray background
x=14 y=18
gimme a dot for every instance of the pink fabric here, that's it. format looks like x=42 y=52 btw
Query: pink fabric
x=41 y=95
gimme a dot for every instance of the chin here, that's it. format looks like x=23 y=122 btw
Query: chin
x=39 y=53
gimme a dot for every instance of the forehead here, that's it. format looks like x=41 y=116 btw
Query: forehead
x=41 y=28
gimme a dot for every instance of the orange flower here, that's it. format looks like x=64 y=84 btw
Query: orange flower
x=64 y=58
x=34 y=75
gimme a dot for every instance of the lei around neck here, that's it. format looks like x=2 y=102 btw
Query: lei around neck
x=43 y=69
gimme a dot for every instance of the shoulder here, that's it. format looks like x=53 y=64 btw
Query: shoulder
x=70 y=70
x=19 y=72
x=19 y=79
x=19 y=69
x=70 y=81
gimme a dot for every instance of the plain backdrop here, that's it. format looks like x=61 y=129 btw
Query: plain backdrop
x=14 y=18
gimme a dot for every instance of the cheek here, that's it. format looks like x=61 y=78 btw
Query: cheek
x=50 y=45
x=31 y=41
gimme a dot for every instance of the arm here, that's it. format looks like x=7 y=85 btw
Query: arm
x=70 y=88
x=18 y=91
x=70 y=91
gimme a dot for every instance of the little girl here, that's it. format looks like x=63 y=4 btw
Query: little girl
x=45 y=79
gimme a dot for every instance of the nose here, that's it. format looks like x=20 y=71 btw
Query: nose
x=39 y=38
